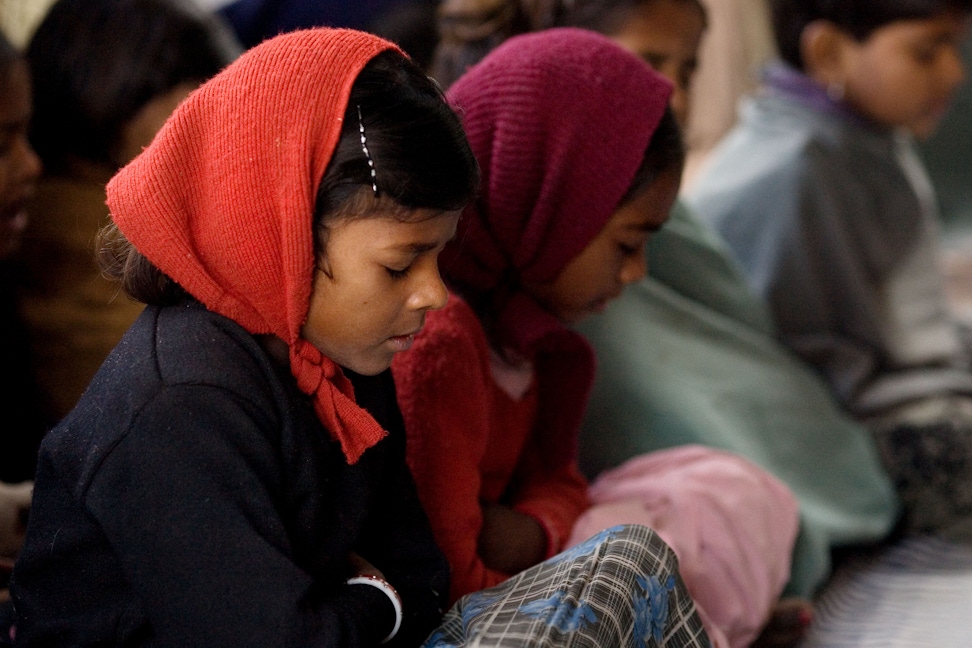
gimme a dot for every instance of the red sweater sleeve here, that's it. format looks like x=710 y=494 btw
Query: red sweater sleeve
x=553 y=495
x=444 y=394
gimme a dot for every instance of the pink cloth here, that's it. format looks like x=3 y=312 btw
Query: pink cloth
x=731 y=524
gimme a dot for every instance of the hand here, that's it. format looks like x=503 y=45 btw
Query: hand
x=510 y=541
x=14 y=505
x=361 y=567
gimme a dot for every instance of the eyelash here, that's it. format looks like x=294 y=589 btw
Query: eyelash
x=397 y=274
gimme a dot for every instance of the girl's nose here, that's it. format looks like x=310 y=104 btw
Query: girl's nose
x=432 y=293
x=634 y=268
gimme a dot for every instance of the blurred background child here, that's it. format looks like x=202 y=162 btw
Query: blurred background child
x=22 y=425
x=688 y=355
x=823 y=201
x=107 y=74
x=507 y=429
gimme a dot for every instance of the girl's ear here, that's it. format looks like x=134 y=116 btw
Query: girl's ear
x=824 y=48
x=323 y=265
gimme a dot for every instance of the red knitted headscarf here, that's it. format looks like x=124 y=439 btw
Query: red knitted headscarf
x=559 y=121
x=222 y=200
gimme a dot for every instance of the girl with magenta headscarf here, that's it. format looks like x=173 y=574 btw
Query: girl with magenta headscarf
x=581 y=159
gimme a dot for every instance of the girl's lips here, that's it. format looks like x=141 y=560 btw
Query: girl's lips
x=402 y=342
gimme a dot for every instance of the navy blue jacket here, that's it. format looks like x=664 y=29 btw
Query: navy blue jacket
x=192 y=498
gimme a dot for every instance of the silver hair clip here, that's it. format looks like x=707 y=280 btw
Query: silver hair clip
x=364 y=147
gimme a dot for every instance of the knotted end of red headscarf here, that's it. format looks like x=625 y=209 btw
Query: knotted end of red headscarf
x=333 y=394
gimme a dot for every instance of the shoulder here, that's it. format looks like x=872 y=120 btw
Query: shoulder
x=176 y=368
x=767 y=163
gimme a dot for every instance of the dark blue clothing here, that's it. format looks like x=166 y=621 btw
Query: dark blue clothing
x=256 y=20
x=23 y=421
x=192 y=498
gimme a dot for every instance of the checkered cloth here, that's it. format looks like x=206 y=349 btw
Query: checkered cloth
x=620 y=588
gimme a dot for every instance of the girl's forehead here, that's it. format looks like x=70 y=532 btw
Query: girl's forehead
x=411 y=231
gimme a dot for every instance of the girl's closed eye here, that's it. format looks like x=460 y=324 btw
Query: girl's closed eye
x=628 y=248
x=395 y=273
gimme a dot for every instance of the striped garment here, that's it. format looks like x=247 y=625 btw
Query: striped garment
x=915 y=593
x=620 y=588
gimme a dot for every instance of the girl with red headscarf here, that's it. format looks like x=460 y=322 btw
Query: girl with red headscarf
x=235 y=473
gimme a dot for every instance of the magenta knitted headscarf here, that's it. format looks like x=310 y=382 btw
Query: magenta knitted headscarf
x=559 y=121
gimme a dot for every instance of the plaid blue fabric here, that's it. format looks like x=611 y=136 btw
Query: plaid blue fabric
x=620 y=588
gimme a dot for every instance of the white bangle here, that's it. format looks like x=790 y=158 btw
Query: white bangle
x=389 y=591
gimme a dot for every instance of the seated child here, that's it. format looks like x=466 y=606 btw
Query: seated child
x=224 y=482
x=822 y=200
x=23 y=424
x=494 y=390
x=495 y=386
x=106 y=73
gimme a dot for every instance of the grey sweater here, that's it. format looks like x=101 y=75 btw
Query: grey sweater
x=834 y=223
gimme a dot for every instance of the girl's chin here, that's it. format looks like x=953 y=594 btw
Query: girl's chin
x=599 y=306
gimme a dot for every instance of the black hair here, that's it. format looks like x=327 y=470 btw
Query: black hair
x=96 y=63
x=859 y=18
x=665 y=152
x=609 y=16
x=416 y=142
x=419 y=151
x=468 y=31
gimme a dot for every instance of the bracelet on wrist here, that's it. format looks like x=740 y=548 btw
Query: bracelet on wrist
x=384 y=586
